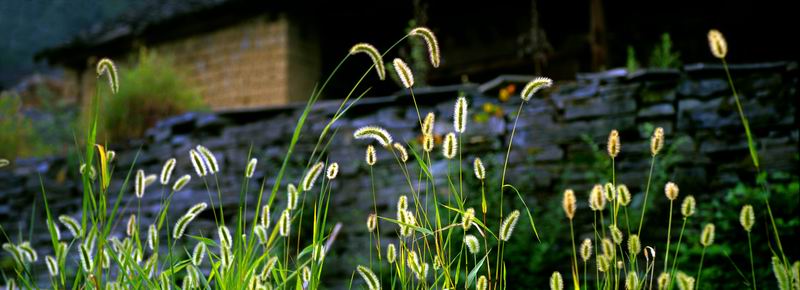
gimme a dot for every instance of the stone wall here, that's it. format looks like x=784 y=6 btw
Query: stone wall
x=551 y=148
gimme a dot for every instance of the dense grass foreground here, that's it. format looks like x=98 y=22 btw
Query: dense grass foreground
x=441 y=242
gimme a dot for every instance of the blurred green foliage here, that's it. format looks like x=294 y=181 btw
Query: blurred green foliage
x=663 y=56
x=40 y=130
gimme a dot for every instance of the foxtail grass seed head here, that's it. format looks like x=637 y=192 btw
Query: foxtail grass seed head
x=781 y=274
x=597 y=202
x=401 y=151
x=634 y=245
x=306 y=272
x=152 y=237
x=406 y=77
x=707 y=237
x=285 y=223
x=717 y=43
x=132 y=228
x=198 y=253
x=370 y=156
x=608 y=248
x=467 y=218
x=225 y=256
x=55 y=229
x=632 y=281
x=28 y=252
x=460 y=115
x=86 y=260
x=620 y=265
x=184 y=221
x=450 y=147
x=556 y=281
x=139 y=185
x=292 y=195
x=107 y=67
x=166 y=171
x=428 y=124
x=534 y=86
x=402 y=203
x=251 y=168
x=657 y=141
x=372 y=222
x=391 y=253
x=616 y=234
x=427 y=143
x=261 y=234
x=52 y=265
x=318 y=254
x=92 y=172
x=480 y=171
x=652 y=252
x=197 y=163
x=623 y=195
x=72 y=225
x=430 y=40
x=609 y=191
x=267 y=269
x=410 y=220
x=747 y=218
x=586 y=250
x=569 y=203
x=150 y=179
x=602 y=264
x=663 y=281
x=685 y=282
x=688 y=206
x=507 y=227
x=671 y=190
x=482 y=283
x=377 y=59
x=312 y=175
x=4 y=162
x=376 y=133
x=181 y=182
x=613 y=144
x=472 y=244
x=372 y=281
x=224 y=236
x=265 y=218
x=209 y=159
x=197 y=208
x=15 y=252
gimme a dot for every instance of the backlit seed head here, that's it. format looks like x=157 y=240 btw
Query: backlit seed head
x=28 y=252
x=603 y=264
x=428 y=123
x=391 y=253
x=586 y=250
x=285 y=223
x=480 y=171
x=609 y=191
x=198 y=163
x=4 y=162
x=402 y=203
x=52 y=266
x=620 y=265
x=657 y=141
x=166 y=171
x=717 y=43
x=312 y=175
x=597 y=201
x=199 y=253
x=634 y=245
x=450 y=147
x=152 y=237
x=92 y=172
x=150 y=179
x=139 y=185
x=616 y=234
x=534 y=86
x=427 y=143
x=251 y=168
x=376 y=133
x=556 y=281
x=377 y=59
x=430 y=40
x=663 y=281
x=507 y=227
x=224 y=236
x=372 y=281
x=482 y=283
x=370 y=155
x=671 y=190
x=56 y=230
x=782 y=274
x=72 y=225
x=466 y=218
x=107 y=67
x=608 y=248
x=472 y=244
x=132 y=228
x=86 y=260
x=613 y=144
x=623 y=195
x=209 y=159
x=569 y=203
x=197 y=208
x=267 y=269
x=401 y=151
x=332 y=171
x=687 y=207
x=261 y=234
x=631 y=281
x=406 y=77
x=685 y=282
x=225 y=256
x=306 y=274
x=372 y=222
x=292 y=195
x=183 y=181
x=460 y=115
x=707 y=237
x=747 y=218
x=186 y=219
x=15 y=252
x=410 y=220
x=265 y=217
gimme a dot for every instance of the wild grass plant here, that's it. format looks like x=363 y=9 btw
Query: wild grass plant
x=438 y=240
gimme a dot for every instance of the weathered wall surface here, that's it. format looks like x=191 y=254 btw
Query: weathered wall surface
x=693 y=104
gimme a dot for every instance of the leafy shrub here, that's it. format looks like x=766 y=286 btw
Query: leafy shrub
x=663 y=56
